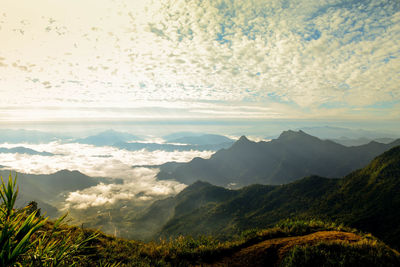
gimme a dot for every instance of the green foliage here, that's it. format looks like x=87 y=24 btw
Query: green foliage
x=16 y=226
x=58 y=246
x=23 y=243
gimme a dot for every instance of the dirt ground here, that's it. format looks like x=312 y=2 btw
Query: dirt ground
x=271 y=252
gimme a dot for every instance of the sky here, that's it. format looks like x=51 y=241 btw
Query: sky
x=104 y=60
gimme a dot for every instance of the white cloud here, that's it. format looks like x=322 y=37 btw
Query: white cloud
x=90 y=159
x=295 y=55
x=299 y=60
x=143 y=187
x=139 y=184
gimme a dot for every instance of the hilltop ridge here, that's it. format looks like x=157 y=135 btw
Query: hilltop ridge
x=294 y=154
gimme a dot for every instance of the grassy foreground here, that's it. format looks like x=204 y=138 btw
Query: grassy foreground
x=28 y=239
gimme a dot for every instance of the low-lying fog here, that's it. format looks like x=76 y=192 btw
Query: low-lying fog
x=139 y=184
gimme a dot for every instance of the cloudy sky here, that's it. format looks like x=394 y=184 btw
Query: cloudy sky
x=210 y=59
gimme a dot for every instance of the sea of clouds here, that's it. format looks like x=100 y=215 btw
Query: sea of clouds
x=139 y=184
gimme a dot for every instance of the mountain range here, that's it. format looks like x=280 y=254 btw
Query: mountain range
x=361 y=141
x=175 y=142
x=294 y=154
x=107 y=138
x=367 y=199
x=203 y=139
x=331 y=132
x=27 y=136
x=134 y=146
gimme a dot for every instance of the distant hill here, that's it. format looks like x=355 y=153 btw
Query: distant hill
x=183 y=141
x=367 y=199
x=330 y=132
x=178 y=135
x=134 y=146
x=27 y=136
x=107 y=138
x=205 y=139
x=282 y=160
x=24 y=150
x=361 y=141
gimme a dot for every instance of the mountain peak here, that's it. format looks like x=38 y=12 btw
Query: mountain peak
x=196 y=186
x=242 y=142
x=200 y=183
x=243 y=139
x=290 y=135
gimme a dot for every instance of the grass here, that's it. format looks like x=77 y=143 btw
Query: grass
x=186 y=251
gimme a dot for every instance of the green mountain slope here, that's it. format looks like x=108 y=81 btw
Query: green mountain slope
x=367 y=199
x=30 y=239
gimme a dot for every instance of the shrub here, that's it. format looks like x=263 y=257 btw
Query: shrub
x=22 y=243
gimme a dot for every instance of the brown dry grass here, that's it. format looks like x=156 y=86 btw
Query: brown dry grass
x=271 y=252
